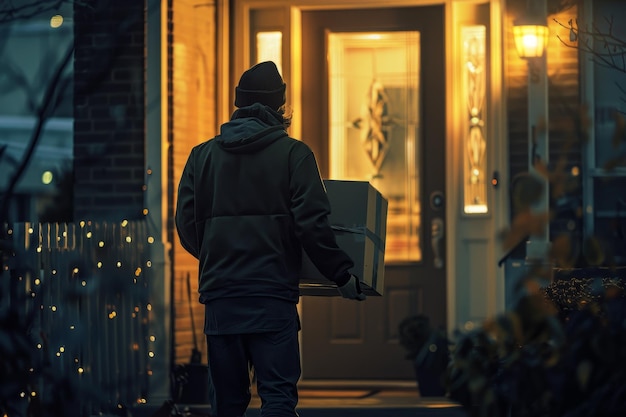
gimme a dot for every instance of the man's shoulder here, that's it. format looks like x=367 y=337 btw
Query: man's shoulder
x=204 y=146
x=296 y=143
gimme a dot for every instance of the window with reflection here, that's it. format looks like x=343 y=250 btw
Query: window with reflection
x=33 y=49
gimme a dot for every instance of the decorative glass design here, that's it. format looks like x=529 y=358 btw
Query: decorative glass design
x=374 y=126
x=475 y=144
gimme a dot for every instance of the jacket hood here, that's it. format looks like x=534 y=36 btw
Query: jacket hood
x=251 y=129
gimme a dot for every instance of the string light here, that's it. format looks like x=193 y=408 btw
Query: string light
x=109 y=240
x=55 y=22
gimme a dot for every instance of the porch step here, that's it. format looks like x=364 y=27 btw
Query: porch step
x=372 y=412
x=368 y=403
x=356 y=402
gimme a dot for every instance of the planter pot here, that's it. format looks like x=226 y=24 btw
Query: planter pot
x=430 y=366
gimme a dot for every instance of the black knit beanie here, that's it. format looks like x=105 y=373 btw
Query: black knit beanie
x=261 y=84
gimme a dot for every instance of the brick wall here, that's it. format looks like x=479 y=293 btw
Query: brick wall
x=109 y=114
x=109 y=68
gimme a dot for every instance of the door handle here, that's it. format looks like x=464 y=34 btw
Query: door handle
x=436 y=239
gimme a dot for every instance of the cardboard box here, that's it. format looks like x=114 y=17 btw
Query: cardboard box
x=359 y=219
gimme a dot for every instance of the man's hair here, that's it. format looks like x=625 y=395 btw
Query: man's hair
x=287 y=113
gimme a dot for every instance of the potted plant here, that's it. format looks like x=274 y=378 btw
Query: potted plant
x=427 y=348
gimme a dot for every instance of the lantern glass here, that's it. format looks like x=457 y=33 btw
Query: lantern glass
x=530 y=40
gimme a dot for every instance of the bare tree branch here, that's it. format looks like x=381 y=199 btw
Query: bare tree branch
x=604 y=47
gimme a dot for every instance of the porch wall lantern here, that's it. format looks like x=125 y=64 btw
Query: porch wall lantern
x=531 y=38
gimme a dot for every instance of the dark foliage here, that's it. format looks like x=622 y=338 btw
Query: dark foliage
x=25 y=360
x=561 y=352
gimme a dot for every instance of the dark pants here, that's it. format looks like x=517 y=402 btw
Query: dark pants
x=275 y=357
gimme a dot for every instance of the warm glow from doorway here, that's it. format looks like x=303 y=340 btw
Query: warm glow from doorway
x=269 y=48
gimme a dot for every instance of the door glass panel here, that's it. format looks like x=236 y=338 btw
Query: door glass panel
x=269 y=46
x=474 y=82
x=374 y=105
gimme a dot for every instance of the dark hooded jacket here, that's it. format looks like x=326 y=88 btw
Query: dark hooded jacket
x=249 y=201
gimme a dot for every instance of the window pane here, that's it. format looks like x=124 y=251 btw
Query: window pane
x=269 y=48
x=474 y=82
x=374 y=126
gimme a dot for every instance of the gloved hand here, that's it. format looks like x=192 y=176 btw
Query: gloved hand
x=352 y=289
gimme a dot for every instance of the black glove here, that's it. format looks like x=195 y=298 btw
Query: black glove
x=352 y=289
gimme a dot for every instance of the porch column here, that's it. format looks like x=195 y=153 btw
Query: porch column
x=157 y=191
x=538 y=244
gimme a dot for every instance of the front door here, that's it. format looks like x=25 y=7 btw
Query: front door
x=373 y=108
